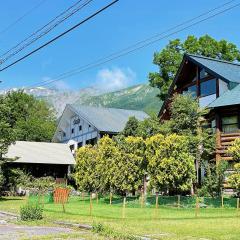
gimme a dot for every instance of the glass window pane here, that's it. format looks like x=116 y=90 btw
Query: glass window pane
x=230 y=128
x=192 y=90
x=203 y=73
x=208 y=87
x=229 y=120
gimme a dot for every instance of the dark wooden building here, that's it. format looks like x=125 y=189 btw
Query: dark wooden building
x=215 y=84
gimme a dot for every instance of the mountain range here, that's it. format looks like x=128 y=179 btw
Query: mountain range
x=138 y=97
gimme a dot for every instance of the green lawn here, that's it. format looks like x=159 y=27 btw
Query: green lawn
x=170 y=223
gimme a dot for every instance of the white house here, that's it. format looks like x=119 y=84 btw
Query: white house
x=80 y=125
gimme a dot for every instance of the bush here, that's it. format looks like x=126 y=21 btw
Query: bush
x=31 y=212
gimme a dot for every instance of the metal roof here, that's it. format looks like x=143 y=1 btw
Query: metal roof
x=228 y=71
x=107 y=119
x=231 y=97
x=40 y=152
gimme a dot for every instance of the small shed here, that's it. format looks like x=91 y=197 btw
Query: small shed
x=41 y=158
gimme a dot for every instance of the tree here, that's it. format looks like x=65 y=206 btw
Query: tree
x=168 y=60
x=86 y=170
x=130 y=165
x=170 y=165
x=108 y=152
x=234 y=150
x=234 y=178
x=131 y=127
x=32 y=119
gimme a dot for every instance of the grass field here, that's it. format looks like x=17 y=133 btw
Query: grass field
x=167 y=222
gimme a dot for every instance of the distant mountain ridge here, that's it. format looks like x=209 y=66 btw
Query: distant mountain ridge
x=139 y=97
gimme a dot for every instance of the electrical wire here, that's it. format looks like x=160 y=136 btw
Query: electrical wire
x=136 y=47
x=21 y=17
x=59 y=36
x=48 y=27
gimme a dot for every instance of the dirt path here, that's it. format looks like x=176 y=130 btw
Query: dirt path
x=11 y=231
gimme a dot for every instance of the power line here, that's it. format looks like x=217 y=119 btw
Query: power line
x=60 y=35
x=135 y=47
x=21 y=17
x=44 y=30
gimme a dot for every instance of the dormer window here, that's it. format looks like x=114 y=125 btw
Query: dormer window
x=72 y=130
x=80 y=128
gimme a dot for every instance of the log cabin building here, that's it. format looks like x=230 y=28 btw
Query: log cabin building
x=216 y=85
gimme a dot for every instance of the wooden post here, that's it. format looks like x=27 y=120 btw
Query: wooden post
x=237 y=206
x=178 y=204
x=124 y=206
x=110 y=198
x=97 y=197
x=197 y=207
x=90 y=204
x=82 y=196
x=142 y=198
x=156 y=200
x=222 y=200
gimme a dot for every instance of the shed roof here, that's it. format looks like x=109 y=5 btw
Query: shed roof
x=40 y=152
x=107 y=119
x=230 y=97
x=229 y=71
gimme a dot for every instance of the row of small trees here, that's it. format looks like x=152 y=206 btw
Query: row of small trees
x=121 y=165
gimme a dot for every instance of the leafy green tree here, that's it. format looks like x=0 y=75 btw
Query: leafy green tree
x=234 y=178
x=130 y=127
x=170 y=165
x=108 y=152
x=32 y=119
x=130 y=165
x=234 y=150
x=168 y=60
x=86 y=171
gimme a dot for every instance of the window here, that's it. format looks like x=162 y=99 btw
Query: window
x=208 y=88
x=230 y=124
x=213 y=126
x=72 y=130
x=80 y=128
x=89 y=125
x=203 y=73
x=64 y=134
x=92 y=141
x=71 y=147
x=192 y=90
x=79 y=144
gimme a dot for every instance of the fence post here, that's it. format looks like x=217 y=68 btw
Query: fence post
x=82 y=195
x=142 y=198
x=178 y=204
x=90 y=204
x=197 y=207
x=124 y=205
x=237 y=206
x=97 y=197
x=222 y=200
x=156 y=200
x=110 y=199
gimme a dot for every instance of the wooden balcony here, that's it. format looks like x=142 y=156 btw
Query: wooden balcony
x=225 y=140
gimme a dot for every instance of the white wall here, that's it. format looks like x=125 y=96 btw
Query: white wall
x=73 y=121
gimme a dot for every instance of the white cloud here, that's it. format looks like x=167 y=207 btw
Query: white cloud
x=115 y=78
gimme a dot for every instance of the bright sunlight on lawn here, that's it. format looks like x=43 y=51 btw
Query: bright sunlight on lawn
x=166 y=222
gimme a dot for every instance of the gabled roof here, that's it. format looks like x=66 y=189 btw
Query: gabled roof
x=228 y=71
x=231 y=97
x=107 y=119
x=225 y=70
x=40 y=152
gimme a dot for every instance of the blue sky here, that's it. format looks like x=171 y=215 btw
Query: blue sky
x=125 y=23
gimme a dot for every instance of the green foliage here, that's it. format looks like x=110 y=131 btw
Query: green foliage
x=234 y=150
x=86 y=174
x=168 y=60
x=31 y=119
x=234 y=178
x=31 y=212
x=130 y=165
x=170 y=165
x=213 y=180
x=110 y=233
x=131 y=127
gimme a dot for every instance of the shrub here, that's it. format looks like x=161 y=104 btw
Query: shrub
x=31 y=212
